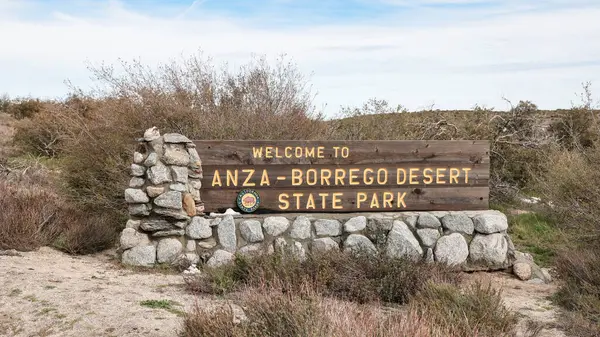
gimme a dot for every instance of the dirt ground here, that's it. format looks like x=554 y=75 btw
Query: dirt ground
x=49 y=293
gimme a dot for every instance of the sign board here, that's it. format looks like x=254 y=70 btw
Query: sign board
x=344 y=176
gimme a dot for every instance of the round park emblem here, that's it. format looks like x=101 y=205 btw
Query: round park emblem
x=248 y=200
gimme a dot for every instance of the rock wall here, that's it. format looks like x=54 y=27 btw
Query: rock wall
x=167 y=223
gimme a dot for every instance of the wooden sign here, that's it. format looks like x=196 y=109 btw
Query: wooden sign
x=345 y=176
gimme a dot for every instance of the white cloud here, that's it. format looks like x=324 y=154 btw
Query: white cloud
x=540 y=56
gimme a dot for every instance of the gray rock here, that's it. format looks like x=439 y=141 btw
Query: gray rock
x=275 y=225
x=379 y=223
x=191 y=258
x=402 y=243
x=139 y=209
x=195 y=183
x=171 y=199
x=153 y=225
x=439 y=214
x=154 y=191
x=151 y=160
x=280 y=244
x=135 y=224
x=176 y=155
x=136 y=182
x=172 y=232
x=215 y=222
x=251 y=250
x=175 y=138
x=175 y=214
x=356 y=243
x=536 y=281
x=178 y=187
x=194 y=157
x=157 y=146
x=427 y=220
x=136 y=196
x=168 y=250
x=429 y=255
x=489 y=223
x=138 y=158
x=180 y=224
x=159 y=174
x=488 y=250
x=326 y=227
x=137 y=170
x=323 y=245
x=226 y=234
x=300 y=228
x=522 y=270
x=180 y=174
x=190 y=246
x=199 y=228
x=298 y=251
x=151 y=134
x=131 y=238
x=452 y=249
x=411 y=222
x=428 y=236
x=546 y=274
x=355 y=224
x=144 y=256
x=207 y=244
x=220 y=258
x=251 y=231
x=458 y=223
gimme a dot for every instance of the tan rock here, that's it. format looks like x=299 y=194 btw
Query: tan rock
x=154 y=191
x=522 y=270
x=189 y=205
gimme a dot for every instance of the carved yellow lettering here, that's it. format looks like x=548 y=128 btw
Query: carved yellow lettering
x=427 y=177
x=277 y=155
x=283 y=201
x=345 y=152
x=454 y=174
x=325 y=175
x=466 y=169
x=310 y=203
x=288 y=154
x=298 y=152
x=310 y=152
x=360 y=197
x=335 y=151
x=320 y=150
x=382 y=176
x=298 y=195
x=388 y=197
x=268 y=153
x=250 y=173
x=354 y=176
x=323 y=199
x=296 y=177
x=233 y=177
x=400 y=200
x=374 y=201
x=336 y=199
x=216 y=179
x=368 y=180
x=264 y=179
x=399 y=172
x=440 y=175
x=257 y=152
x=311 y=180
x=413 y=176
x=340 y=174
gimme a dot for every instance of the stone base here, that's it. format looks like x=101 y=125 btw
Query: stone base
x=471 y=240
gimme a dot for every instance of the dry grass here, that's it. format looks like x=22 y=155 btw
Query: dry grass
x=359 y=278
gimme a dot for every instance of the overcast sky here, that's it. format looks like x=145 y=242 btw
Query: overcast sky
x=451 y=54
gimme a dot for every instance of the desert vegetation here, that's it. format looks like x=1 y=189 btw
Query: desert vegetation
x=70 y=158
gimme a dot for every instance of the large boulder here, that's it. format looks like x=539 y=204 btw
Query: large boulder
x=357 y=243
x=323 y=245
x=171 y=199
x=428 y=236
x=452 y=249
x=427 y=220
x=144 y=256
x=328 y=227
x=199 y=228
x=226 y=234
x=355 y=224
x=489 y=251
x=458 y=223
x=300 y=228
x=276 y=225
x=402 y=243
x=168 y=250
x=251 y=231
x=131 y=238
x=219 y=258
x=489 y=223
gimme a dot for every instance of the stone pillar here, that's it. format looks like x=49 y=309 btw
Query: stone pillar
x=163 y=196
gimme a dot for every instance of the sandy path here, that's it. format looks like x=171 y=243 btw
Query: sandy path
x=48 y=293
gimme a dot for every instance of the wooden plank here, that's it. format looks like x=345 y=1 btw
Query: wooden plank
x=461 y=182
x=359 y=152
x=416 y=199
x=323 y=176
